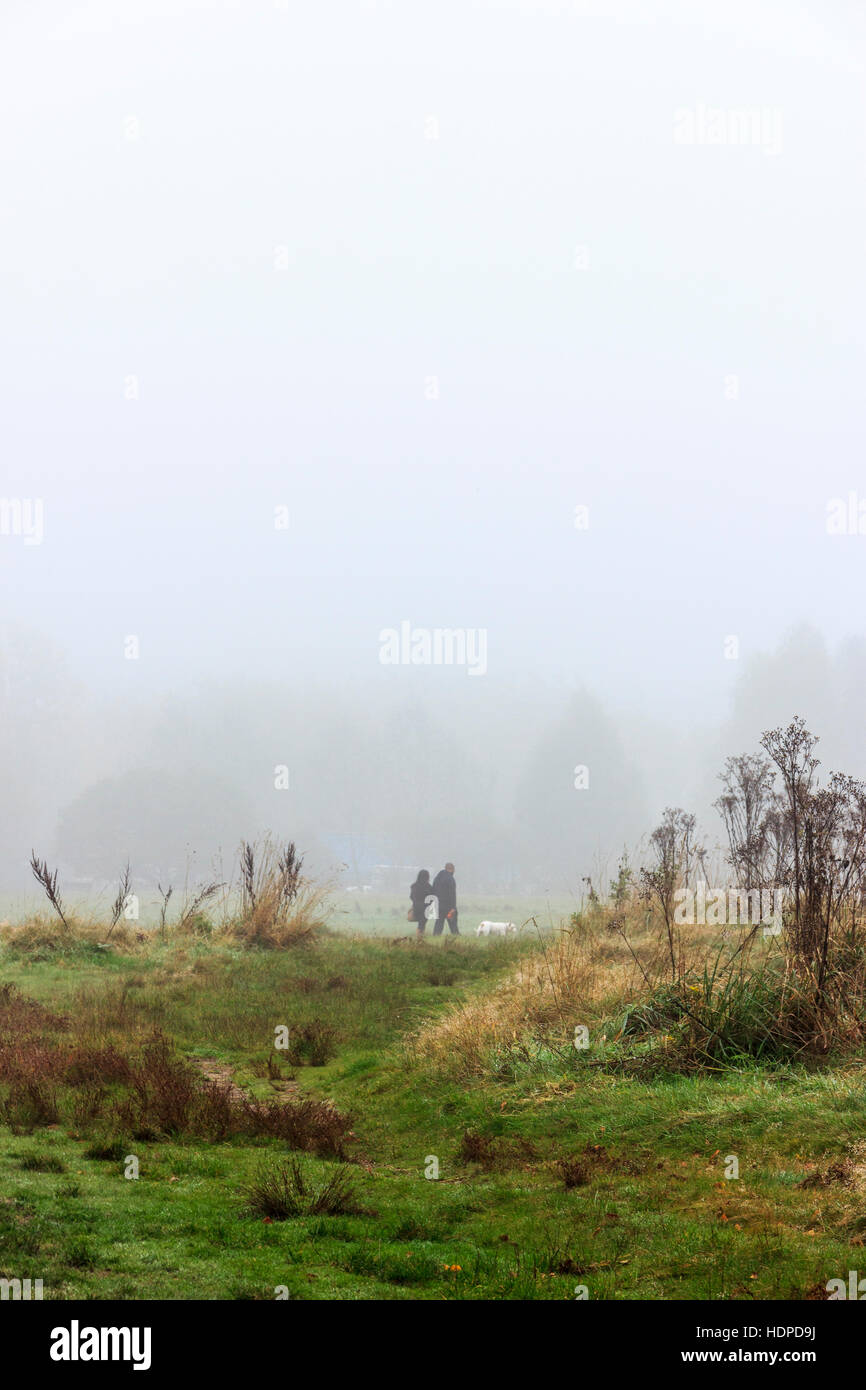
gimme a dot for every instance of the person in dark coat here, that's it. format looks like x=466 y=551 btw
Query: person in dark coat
x=445 y=890
x=419 y=893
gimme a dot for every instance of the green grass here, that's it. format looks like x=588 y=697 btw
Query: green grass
x=377 y=914
x=655 y=1217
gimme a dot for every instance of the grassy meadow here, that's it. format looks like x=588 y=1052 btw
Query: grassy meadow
x=429 y=1130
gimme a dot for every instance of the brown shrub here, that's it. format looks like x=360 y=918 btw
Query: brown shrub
x=311 y=1044
x=575 y=1172
x=30 y=1104
x=22 y=1015
x=579 y=1169
x=478 y=1148
x=150 y=1094
x=314 y=1126
x=282 y=1190
x=90 y=1101
x=90 y=1064
x=167 y=1096
x=490 y=1151
x=841 y=1172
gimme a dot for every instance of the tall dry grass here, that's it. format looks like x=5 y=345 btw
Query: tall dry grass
x=570 y=978
x=273 y=924
x=734 y=997
x=270 y=907
x=43 y=936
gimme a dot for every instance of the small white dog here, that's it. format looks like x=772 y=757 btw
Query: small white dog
x=494 y=928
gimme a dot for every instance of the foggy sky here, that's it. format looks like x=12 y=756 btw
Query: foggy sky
x=430 y=277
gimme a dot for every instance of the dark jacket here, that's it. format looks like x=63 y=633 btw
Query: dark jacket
x=445 y=888
x=419 y=893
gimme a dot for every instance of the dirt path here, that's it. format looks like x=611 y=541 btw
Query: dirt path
x=214 y=1070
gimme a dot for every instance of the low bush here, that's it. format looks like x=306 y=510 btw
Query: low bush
x=283 y=1190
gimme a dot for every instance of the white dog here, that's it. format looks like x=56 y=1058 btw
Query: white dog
x=494 y=928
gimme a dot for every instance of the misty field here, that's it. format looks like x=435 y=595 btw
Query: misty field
x=308 y=1171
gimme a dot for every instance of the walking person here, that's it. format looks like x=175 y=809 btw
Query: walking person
x=445 y=889
x=419 y=893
